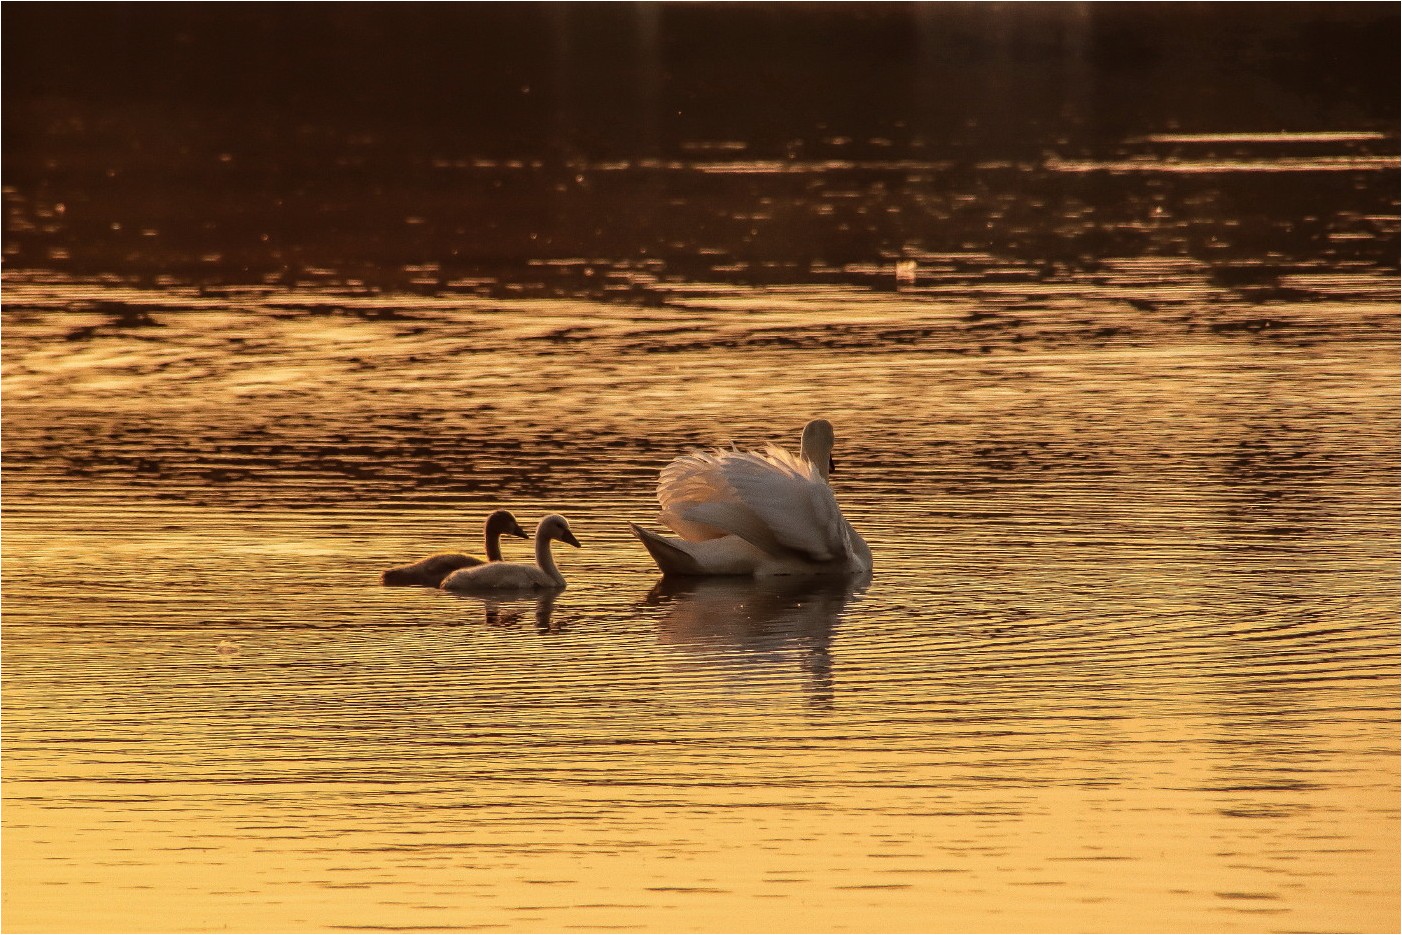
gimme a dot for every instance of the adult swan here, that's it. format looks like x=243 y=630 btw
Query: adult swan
x=755 y=513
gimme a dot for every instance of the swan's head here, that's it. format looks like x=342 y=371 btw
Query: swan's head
x=554 y=526
x=818 y=439
x=503 y=523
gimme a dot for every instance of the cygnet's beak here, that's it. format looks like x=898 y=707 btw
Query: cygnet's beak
x=568 y=536
x=832 y=466
x=518 y=532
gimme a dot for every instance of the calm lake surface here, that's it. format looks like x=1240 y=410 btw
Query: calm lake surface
x=1122 y=434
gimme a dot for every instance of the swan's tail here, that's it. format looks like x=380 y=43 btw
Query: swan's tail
x=670 y=558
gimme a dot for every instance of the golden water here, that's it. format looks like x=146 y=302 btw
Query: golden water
x=1128 y=661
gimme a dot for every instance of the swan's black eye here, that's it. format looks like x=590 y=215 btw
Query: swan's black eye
x=832 y=466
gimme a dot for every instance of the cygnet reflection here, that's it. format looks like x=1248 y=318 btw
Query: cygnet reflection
x=512 y=610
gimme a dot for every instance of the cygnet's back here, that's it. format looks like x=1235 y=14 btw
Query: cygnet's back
x=499 y=576
x=428 y=572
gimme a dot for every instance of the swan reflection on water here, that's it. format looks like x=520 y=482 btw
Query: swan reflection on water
x=757 y=622
x=508 y=610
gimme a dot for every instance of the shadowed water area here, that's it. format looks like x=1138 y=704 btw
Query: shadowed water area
x=1114 y=373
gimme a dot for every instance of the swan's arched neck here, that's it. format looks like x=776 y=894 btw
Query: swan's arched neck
x=545 y=560
x=817 y=445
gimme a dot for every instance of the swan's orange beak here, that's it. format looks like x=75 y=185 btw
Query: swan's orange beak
x=568 y=536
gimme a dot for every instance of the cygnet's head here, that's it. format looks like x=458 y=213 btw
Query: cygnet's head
x=503 y=523
x=555 y=527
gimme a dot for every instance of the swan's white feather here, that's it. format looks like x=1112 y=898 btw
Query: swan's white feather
x=723 y=555
x=771 y=499
x=736 y=520
x=752 y=512
x=857 y=547
x=791 y=501
x=688 y=481
x=673 y=556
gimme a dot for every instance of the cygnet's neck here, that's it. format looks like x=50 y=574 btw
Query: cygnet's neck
x=493 y=543
x=544 y=559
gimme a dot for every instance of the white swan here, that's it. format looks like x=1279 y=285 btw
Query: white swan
x=510 y=576
x=430 y=572
x=755 y=513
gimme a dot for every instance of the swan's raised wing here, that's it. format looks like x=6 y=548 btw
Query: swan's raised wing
x=776 y=499
x=689 y=481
